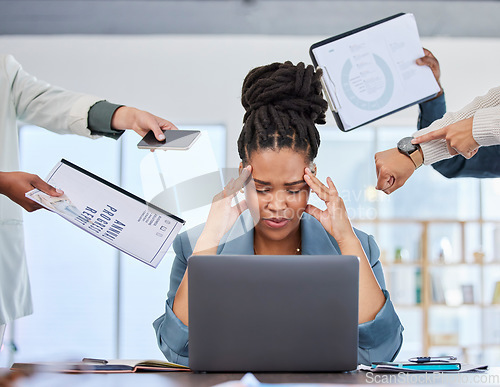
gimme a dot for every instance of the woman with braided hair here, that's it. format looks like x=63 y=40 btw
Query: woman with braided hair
x=277 y=146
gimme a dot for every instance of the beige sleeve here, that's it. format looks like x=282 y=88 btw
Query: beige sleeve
x=486 y=127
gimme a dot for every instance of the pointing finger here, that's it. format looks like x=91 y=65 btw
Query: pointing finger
x=434 y=135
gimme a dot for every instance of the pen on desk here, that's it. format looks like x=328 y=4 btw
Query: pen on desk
x=426 y=359
x=92 y=360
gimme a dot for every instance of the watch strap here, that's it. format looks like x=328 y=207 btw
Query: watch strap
x=417 y=157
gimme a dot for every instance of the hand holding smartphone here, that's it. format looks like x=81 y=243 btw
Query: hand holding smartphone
x=174 y=140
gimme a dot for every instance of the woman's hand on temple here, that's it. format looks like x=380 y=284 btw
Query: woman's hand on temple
x=223 y=214
x=334 y=218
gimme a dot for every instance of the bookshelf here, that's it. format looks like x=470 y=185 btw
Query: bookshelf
x=444 y=280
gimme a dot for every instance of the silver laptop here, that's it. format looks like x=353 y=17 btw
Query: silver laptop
x=273 y=313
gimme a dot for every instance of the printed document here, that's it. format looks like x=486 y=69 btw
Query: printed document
x=110 y=213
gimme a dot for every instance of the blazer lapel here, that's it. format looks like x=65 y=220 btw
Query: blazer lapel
x=315 y=239
x=239 y=240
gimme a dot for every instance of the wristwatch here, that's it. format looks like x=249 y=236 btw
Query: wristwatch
x=413 y=151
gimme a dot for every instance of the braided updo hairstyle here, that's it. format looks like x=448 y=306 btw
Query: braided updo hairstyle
x=282 y=103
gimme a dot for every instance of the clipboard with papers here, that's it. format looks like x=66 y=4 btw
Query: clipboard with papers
x=371 y=72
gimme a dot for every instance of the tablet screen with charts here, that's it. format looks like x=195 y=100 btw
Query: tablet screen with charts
x=371 y=72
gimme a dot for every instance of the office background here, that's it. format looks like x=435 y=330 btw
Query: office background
x=185 y=61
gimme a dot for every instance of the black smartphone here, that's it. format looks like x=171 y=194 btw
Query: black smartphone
x=174 y=140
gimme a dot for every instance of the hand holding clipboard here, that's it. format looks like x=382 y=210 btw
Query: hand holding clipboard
x=371 y=72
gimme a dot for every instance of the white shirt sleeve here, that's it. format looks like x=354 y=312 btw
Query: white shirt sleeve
x=50 y=107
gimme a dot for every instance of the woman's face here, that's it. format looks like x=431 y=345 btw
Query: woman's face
x=278 y=195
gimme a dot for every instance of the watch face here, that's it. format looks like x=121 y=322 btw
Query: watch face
x=405 y=145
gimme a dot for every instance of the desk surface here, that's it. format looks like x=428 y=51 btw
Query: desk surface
x=184 y=379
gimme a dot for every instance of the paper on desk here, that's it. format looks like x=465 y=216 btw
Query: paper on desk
x=249 y=380
x=390 y=369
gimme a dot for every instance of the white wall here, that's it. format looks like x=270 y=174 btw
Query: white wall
x=197 y=79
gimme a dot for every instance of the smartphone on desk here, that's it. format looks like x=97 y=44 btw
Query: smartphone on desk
x=174 y=140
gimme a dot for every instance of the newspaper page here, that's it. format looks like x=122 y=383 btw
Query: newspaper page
x=110 y=213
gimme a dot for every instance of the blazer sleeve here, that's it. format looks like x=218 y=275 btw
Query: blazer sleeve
x=171 y=333
x=99 y=119
x=381 y=338
x=431 y=111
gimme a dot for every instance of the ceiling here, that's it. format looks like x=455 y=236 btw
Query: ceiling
x=262 y=17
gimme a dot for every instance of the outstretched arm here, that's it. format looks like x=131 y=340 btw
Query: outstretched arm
x=111 y=120
x=63 y=111
x=394 y=168
x=477 y=123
